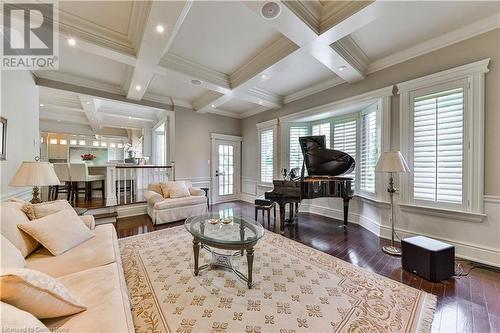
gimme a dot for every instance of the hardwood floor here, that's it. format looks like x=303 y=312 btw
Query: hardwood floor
x=465 y=304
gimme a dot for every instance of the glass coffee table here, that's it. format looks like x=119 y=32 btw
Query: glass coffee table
x=236 y=233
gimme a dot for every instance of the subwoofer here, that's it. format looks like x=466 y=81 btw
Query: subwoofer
x=429 y=258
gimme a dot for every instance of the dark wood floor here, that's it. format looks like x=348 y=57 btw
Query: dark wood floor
x=465 y=304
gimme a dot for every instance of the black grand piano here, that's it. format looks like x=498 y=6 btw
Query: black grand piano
x=324 y=169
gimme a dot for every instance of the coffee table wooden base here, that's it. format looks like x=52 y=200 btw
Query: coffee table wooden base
x=224 y=261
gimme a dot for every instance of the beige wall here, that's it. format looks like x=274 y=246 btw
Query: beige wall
x=19 y=104
x=483 y=46
x=192 y=140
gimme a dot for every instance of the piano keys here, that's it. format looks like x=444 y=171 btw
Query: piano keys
x=324 y=168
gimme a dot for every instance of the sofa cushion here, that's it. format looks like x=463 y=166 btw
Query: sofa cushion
x=97 y=251
x=17 y=320
x=180 y=202
x=12 y=215
x=58 y=232
x=164 y=190
x=36 y=292
x=36 y=211
x=103 y=291
x=11 y=257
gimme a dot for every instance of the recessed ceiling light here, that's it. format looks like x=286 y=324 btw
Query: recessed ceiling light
x=260 y=102
x=87 y=102
x=263 y=75
x=213 y=105
x=42 y=105
x=71 y=41
x=160 y=28
x=138 y=87
x=341 y=68
x=58 y=120
x=196 y=82
x=129 y=117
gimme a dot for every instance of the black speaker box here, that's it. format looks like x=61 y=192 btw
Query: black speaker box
x=429 y=258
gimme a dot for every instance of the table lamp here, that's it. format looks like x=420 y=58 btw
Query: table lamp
x=392 y=162
x=35 y=174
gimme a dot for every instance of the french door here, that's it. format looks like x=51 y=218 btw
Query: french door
x=225 y=168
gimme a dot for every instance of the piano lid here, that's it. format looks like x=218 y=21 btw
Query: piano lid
x=321 y=161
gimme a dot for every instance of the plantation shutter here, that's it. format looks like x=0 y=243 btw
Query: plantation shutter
x=296 y=157
x=344 y=139
x=438 y=123
x=369 y=151
x=266 y=156
x=322 y=129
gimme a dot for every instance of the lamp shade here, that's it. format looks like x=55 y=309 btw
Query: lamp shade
x=392 y=161
x=35 y=174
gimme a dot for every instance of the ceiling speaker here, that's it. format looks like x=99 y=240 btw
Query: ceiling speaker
x=270 y=10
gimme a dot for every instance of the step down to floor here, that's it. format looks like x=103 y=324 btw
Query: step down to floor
x=105 y=218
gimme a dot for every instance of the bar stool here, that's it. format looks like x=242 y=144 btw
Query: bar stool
x=265 y=205
x=79 y=172
x=62 y=172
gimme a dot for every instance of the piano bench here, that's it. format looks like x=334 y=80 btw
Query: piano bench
x=265 y=206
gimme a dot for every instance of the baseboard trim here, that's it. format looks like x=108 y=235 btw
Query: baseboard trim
x=481 y=254
x=250 y=198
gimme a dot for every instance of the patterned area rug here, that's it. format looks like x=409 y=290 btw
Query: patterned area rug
x=297 y=289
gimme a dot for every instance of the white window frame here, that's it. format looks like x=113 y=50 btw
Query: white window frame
x=321 y=122
x=261 y=127
x=286 y=141
x=472 y=77
x=382 y=98
x=379 y=149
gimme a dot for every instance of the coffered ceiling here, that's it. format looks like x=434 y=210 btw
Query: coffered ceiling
x=225 y=57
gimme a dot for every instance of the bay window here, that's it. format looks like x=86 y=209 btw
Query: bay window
x=295 y=153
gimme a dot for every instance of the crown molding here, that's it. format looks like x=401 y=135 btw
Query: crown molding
x=268 y=123
x=215 y=80
x=480 y=66
x=313 y=89
x=352 y=53
x=479 y=27
x=335 y=12
x=225 y=113
x=137 y=22
x=204 y=102
x=269 y=99
x=79 y=81
x=308 y=11
x=253 y=112
x=268 y=57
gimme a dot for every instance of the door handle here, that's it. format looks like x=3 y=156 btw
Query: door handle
x=217 y=173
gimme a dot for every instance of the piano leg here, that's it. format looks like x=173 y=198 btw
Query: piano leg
x=346 y=210
x=282 y=218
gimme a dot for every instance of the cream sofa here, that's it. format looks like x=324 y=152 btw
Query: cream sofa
x=165 y=210
x=91 y=271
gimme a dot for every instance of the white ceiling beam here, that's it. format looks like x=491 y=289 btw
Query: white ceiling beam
x=170 y=15
x=90 y=107
x=63 y=117
x=303 y=31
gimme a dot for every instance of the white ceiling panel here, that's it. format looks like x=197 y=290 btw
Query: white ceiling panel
x=175 y=85
x=112 y=15
x=301 y=72
x=89 y=66
x=237 y=106
x=405 y=24
x=222 y=35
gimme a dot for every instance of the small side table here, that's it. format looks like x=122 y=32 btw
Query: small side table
x=205 y=189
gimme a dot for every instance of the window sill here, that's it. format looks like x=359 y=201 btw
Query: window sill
x=372 y=201
x=267 y=185
x=441 y=212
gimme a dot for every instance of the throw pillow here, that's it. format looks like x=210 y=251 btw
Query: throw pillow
x=58 y=232
x=178 y=189
x=37 y=293
x=36 y=211
x=164 y=190
x=11 y=256
x=155 y=187
x=11 y=216
x=16 y=320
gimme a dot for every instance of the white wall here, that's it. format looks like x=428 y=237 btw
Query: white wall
x=19 y=101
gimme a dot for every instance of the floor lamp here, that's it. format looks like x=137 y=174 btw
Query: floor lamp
x=392 y=162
